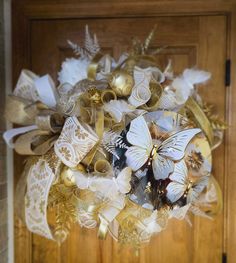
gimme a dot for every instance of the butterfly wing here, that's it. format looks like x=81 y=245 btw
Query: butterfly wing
x=180 y=212
x=174 y=147
x=123 y=180
x=176 y=188
x=162 y=167
x=136 y=157
x=139 y=136
x=197 y=188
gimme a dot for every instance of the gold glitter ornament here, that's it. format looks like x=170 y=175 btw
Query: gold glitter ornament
x=67 y=176
x=121 y=82
x=94 y=95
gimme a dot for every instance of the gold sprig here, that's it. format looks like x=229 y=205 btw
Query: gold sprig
x=66 y=215
x=216 y=122
x=149 y=39
x=66 y=210
x=159 y=49
x=139 y=48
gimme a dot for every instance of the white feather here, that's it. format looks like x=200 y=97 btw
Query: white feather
x=73 y=70
x=181 y=88
x=195 y=76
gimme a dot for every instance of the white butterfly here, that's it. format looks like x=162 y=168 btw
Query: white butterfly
x=162 y=155
x=108 y=187
x=151 y=223
x=182 y=185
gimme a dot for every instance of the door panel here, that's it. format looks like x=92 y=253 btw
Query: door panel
x=191 y=41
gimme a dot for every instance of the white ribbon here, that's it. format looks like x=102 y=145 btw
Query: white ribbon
x=39 y=181
x=141 y=92
x=75 y=142
x=47 y=91
x=10 y=134
x=25 y=87
x=113 y=208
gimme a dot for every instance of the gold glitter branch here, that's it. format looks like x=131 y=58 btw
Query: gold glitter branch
x=216 y=122
x=66 y=211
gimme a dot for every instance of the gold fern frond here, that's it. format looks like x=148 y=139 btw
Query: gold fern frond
x=216 y=122
x=61 y=203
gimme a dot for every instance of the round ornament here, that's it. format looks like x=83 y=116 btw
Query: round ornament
x=121 y=82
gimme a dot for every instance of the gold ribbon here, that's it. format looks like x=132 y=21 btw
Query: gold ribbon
x=219 y=205
x=21 y=187
x=108 y=95
x=15 y=110
x=93 y=66
x=201 y=118
x=103 y=228
x=102 y=167
x=36 y=142
x=49 y=121
x=99 y=125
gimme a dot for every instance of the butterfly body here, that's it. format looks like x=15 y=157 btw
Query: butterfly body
x=153 y=154
x=188 y=188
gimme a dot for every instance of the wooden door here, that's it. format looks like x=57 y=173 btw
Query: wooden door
x=199 y=40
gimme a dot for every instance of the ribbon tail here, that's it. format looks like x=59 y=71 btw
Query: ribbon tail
x=10 y=134
x=108 y=214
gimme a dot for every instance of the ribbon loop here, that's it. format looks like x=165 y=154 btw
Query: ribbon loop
x=49 y=121
x=36 y=142
x=201 y=118
x=15 y=110
x=47 y=91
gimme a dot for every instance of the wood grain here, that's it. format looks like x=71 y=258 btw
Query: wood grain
x=201 y=38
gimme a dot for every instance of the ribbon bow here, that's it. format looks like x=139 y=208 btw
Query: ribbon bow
x=36 y=104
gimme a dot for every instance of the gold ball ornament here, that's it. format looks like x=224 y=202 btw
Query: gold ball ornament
x=67 y=176
x=121 y=82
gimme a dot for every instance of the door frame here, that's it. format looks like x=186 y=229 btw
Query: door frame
x=24 y=13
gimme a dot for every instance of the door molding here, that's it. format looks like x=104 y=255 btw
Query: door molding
x=24 y=13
